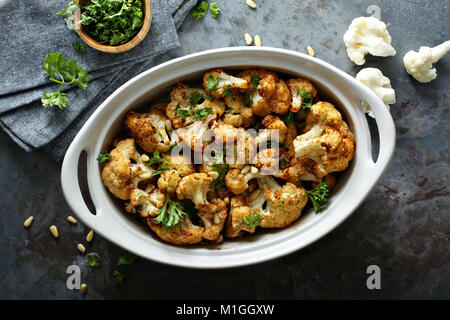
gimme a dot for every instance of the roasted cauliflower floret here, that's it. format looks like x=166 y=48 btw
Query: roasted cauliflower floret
x=268 y=161
x=216 y=82
x=278 y=206
x=179 y=166
x=235 y=223
x=326 y=140
x=213 y=222
x=184 y=233
x=190 y=104
x=121 y=176
x=195 y=187
x=238 y=115
x=237 y=180
x=298 y=87
x=150 y=129
x=269 y=93
x=199 y=134
x=275 y=130
x=147 y=202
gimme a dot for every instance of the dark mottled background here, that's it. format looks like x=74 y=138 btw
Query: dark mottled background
x=403 y=226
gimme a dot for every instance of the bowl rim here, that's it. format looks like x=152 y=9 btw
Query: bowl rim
x=137 y=39
x=115 y=105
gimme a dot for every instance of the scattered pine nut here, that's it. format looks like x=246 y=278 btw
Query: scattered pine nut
x=83 y=287
x=311 y=51
x=248 y=39
x=144 y=158
x=251 y=4
x=54 y=231
x=213 y=174
x=72 y=220
x=258 y=41
x=90 y=236
x=28 y=222
x=254 y=170
x=216 y=219
x=226 y=200
x=245 y=169
x=81 y=248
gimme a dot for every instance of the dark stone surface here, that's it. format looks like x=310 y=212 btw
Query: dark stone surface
x=403 y=226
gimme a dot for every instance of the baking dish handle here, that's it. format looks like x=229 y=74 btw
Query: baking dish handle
x=386 y=131
x=70 y=183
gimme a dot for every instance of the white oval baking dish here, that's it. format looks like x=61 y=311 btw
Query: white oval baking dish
x=112 y=222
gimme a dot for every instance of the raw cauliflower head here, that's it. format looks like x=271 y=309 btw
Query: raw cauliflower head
x=326 y=140
x=295 y=85
x=420 y=64
x=216 y=82
x=380 y=85
x=367 y=35
x=179 y=166
x=271 y=93
x=184 y=233
x=121 y=176
x=184 y=106
x=278 y=206
x=147 y=202
x=150 y=129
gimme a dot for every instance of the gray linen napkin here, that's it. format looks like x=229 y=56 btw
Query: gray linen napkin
x=32 y=126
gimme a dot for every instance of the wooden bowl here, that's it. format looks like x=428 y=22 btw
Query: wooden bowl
x=147 y=11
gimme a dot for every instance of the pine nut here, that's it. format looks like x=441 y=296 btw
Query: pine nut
x=248 y=39
x=311 y=51
x=258 y=42
x=144 y=158
x=54 y=231
x=28 y=222
x=90 y=236
x=226 y=200
x=81 y=248
x=254 y=170
x=83 y=287
x=216 y=219
x=72 y=220
x=251 y=4
x=213 y=174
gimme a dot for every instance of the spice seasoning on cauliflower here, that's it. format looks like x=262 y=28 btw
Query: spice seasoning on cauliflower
x=367 y=35
x=420 y=64
x=260 y=138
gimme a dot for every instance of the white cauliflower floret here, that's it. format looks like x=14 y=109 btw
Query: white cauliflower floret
x=198 y=134
x=420 y=64
x=275 y=130
x=235 y=223
x=237 y=180
x=213 y=222
x=326 y=140
x=190 y=104
x=216 y=82
x=380 y=85
x=195 y=187
x=296 y=85
x=121 y=176
x=238 y=115
x=367 y=35
x=178 y=166
x=184 y=233
x=150 y=129
x=278 y=206
x=147 y=202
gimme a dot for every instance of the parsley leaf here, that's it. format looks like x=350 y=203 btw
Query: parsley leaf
x=195 y=98
x=289 y=117
x=183 y=112
x=213 y=82
x=171 y=213
x=118 y=277
x=112 y=22
x=248 y=99
x=282 y=163
x=281 y=145
x=127 y=259
x=221 y=168
x=63 y=72
x=255 y=80
x=79 y=47
x=319 y=196
x=200 y=11
x=307 y=98
x=71 y=6
x=227 y=92
x=215 y=10
x=156 y=159
x=252 y=221
x=202 y=113
x=210 y=98
x=103 y=158
x=93 y=261
x=172 y=146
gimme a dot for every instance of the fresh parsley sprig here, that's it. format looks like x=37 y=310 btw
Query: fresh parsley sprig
x=79 y=47
x=93 y=261
x=255 y=80
x=103 y=158
x=319 y=196
x=215 y=10
x=289 y=117
x=200 y=10
x=171 y=213
x=213 y=82
x=252 y=221
x=161 y=159
x=221 y=168
x=65 y=73
x=307 y=99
